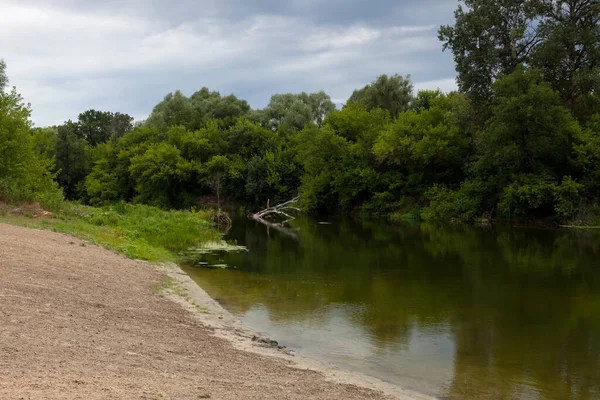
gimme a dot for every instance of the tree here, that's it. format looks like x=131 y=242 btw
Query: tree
x=217 y=168
x=44 y=140
x=210 y=105
x=489 y=38
x=423 y=99
x=3 y=77
x=530 y=131
x=25 y=173
x=71 y=158
x=388 y=93
x=160 y=174
x=569 y=55
x=249 y=139
x=175 y=109
x=326 y=159
x=427 y=144
x=94 y=126
x=587 y=155
x=100 y=126
x=359 y=125
x=194 y=112
x=120 y=125
x=295 y=111
x=109 y=179
x=320 y=104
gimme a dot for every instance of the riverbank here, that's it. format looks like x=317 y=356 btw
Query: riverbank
x=78 y=321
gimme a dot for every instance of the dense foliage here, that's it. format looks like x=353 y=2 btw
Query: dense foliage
x=25 y=173
x=520 y=140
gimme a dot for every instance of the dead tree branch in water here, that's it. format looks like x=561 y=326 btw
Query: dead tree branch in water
x=278 y=210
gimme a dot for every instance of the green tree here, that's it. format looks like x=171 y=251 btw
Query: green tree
x=326 y=159
x=392 y=93
x=175 y=109
x=25 y=174
x=587 y=156
x=100 y=126
x=120 y=125
x=209 y=105
x=249 y=139
x=295 y=111
x=94 y=126
x=530 y=131
x=488 y=38
x=428 y=145
x=109 y=180
x=3 y=76
x=422 y=100
x=44 y=140
x=71 y=158
x=216 y=169
x=160 y=174
x=569 y=55
x=358 y=124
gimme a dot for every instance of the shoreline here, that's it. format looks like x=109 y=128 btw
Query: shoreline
x=189 y=295
x=81 y=321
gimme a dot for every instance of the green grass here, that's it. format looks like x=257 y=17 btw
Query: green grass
x=138 y=231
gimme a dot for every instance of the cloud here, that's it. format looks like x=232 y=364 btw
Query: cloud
x=67 y=56
x=445 y=85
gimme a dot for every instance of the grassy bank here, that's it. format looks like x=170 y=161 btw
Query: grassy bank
x=138 y=231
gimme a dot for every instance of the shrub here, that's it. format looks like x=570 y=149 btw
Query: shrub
x=463 y=205
x=567 y=198
x=528 y=195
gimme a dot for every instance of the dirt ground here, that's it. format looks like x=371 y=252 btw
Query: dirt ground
x=80 y=322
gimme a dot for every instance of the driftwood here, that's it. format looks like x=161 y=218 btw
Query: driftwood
x=278 y=210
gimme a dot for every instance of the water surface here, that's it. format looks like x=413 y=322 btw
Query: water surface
x=456 y=312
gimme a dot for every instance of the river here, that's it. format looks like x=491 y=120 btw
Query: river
x=456 y=312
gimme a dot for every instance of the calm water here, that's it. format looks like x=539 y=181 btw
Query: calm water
x=459 y=312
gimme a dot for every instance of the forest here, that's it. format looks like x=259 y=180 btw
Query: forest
x=519 y=140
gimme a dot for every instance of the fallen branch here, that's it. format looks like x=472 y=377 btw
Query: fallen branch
x=279 y=209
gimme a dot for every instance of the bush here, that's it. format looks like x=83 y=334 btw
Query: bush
x=462 y=205
x=528 y=195
x=567 y=198
x=380 y=204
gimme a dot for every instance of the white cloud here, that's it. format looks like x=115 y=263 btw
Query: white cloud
x=445 y=85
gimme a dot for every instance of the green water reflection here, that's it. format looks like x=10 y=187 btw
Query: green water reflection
x=457 y=312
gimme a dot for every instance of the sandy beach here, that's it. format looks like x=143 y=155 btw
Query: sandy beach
x=80 y=322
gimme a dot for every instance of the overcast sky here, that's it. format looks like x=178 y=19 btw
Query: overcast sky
x=67 y=56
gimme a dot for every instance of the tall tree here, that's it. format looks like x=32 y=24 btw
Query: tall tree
x=3 y=77
x=569 y=55
x=488 y=38
x=175 y=109
x=392 y=93
x=211 y=105
x=120 y=125
x=216 y=169
x=294 y=111
x=530 y=131
x=100 y=126
x=25 y=173
x=160 y=175
x=94 y=126
x=71 y=158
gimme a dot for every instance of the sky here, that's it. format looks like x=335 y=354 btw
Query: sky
x=67 y=56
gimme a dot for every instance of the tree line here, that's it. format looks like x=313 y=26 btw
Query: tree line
x=520 y=139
